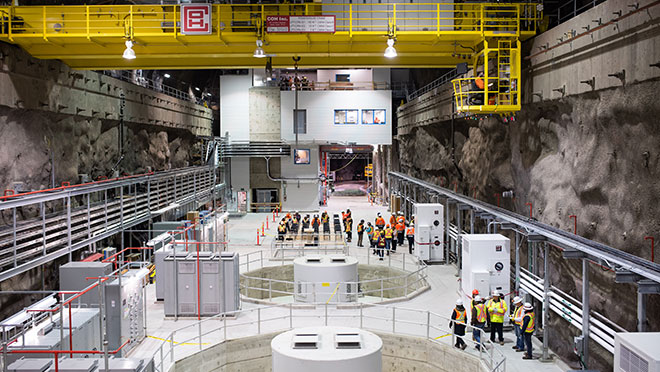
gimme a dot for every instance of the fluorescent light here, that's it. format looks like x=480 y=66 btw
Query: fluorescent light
x=390 y=52
x=259 y=52
x=129 y=53
x=167 y=76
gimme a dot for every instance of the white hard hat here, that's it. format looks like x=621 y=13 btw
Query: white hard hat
x=477 y=298
x=459 y=302
x=378 y=214
x=528 y=306
x=517 y=300
x=496 y=293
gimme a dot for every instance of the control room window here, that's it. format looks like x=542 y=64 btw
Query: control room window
x=373 y=116
x=299 y=121
x=346 y=116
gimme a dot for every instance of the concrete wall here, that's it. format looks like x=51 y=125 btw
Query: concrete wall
x=264 y=114
x=50 y=86
x=631 y=44
x=320 y=106
x=400 y=354
x=235 y=106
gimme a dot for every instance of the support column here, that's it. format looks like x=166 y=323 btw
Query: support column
x=459 y=253
x=585 y=312
x=471 y=221
x=546 y=302
x=517 y=263
x=447 y=237
x=641 y=311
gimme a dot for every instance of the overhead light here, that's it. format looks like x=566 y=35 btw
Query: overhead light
x=390 y=52
x=197 y=89
x=259 y=52
x=167 y=76
x=129 y=53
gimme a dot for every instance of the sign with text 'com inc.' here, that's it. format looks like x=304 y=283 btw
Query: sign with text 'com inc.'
x=196 y=19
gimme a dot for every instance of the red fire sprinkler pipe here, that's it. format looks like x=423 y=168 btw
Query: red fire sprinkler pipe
x=652 y=247
x=530 y=209
x=474 y=192
x=497 y=194
x=455 y=185
x=575 y=227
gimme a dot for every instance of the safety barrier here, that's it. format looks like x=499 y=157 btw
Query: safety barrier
x=204 y=334
x=602 y=330
x=414 y=279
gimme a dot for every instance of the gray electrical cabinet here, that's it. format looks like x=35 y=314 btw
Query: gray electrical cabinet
x=72 y=278
x=164 y=271
x=230 y=281
x=49 y=335
x=124 y=304
x=218 y=284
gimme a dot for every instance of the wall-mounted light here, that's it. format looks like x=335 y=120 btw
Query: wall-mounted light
x=129 y=53
x=197 y=89
x=167 y=76
x=390 y=52
x=259 y=52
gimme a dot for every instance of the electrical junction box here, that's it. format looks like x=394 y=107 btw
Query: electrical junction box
x=486 y=265
x=429 y=232
x=637 y=352
x=124 y=306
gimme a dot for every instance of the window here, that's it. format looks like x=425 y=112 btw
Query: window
x=299 y=121
x=373 y=116
x=342 y=78
x=301 y=156
x=346 y=116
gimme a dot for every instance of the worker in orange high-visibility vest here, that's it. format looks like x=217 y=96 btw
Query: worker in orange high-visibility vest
x=388 y=238
x=459 y=320
x=518 y=313
x=380 y=222
x=478 y=319
x=528 y=324
x=393 y=219
x=401 y=218
x=410 y=234
x=400 y=232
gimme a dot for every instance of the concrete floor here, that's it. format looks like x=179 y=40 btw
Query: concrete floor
x=242 y=238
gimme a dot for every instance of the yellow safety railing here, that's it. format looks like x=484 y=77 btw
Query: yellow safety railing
x=102 y=21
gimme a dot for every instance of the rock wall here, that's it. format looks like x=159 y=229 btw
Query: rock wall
x=594 y=155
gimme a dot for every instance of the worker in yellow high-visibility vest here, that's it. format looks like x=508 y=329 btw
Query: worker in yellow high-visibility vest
x=517 y=322
x=388 y=238
x=528 y=324
x=478 y=318
x=496 y=309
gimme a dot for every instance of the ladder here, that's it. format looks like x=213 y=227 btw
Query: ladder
x=505 y=84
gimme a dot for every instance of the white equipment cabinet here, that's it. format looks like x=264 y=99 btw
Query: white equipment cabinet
x=327 y=349
x=429 y=232
x=637 y=352
x=486 y=264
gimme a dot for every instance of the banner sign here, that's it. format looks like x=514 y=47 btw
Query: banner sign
x=196 y=19
x=300 y=24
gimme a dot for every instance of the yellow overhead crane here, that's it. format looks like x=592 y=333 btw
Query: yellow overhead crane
x=426 y=35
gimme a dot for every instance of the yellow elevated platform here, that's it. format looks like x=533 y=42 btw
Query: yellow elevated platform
x=426 y=34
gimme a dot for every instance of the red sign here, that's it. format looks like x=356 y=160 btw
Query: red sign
x=300 y=24
x=196 y=19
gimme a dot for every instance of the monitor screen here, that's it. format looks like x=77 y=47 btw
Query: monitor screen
x=301 y=156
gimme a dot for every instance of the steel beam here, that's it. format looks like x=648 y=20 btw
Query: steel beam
x=599 y=251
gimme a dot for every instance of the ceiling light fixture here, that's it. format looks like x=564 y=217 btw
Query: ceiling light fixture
x=390 y=52
x=129 y=53
x=259 y=52
x=197 y=89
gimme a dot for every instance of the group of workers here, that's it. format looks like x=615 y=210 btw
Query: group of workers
x=291 y=223
x=492 y=312
x=384 y=238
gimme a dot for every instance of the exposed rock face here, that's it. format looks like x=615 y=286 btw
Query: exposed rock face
x=81 y=146
x=595 y=156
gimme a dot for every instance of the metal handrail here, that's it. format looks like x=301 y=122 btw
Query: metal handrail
x=424 y=324
x=419 y=274
x=135 y=21
x=437 y=83
x=145 y=82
